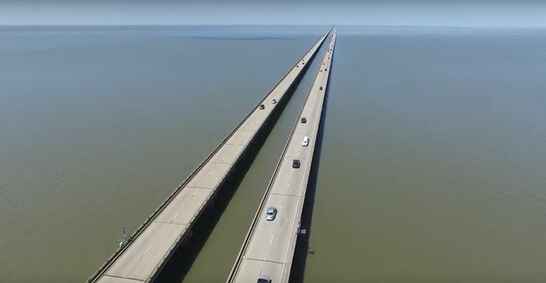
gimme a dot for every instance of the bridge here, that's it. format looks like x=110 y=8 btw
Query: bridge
x=150 y=247
x=268 y=249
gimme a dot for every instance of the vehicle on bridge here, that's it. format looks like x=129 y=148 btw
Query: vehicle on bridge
x=270 y=213
x=305 y=141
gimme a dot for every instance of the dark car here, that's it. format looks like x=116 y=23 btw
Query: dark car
x=303 y=120
x=296 y=163
x=263 y=280
x=262 y=107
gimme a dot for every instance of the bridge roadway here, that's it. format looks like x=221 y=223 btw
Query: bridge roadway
x=269 y=246
x=149 y=248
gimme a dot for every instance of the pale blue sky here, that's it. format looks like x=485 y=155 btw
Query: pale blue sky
x=480 y=13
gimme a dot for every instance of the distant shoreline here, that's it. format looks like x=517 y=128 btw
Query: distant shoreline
x=253 y=32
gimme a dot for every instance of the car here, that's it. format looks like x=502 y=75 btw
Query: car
x=264 y=280
x=296 y=163
x=321 y=88
x=303 y=120
x=305 y=141
x=274 y=101
x=270 y=213
x=262 y=107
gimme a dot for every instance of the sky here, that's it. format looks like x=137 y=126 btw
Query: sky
x=452 y=13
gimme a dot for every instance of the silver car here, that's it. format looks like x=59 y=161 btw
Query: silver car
x=270 y=213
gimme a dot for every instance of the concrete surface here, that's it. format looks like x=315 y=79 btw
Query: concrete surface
x=268 y=249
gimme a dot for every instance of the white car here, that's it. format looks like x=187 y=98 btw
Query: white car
x=270 y=213
x=305 y=141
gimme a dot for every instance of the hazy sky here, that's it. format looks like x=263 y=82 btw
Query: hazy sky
x=510 y=13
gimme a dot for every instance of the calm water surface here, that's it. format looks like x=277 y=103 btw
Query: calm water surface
x=431 y=167
x=99 y=126
x=433 y=158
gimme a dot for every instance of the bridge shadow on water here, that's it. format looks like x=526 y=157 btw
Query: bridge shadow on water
x=302 y=251
x=184 y=256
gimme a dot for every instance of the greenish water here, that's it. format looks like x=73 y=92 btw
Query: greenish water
x=99 y=126
x=432 y=159
x=431 y=167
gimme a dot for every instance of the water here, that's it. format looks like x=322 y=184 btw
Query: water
x=431 y=165
x=432 y=159
x=99 y=126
